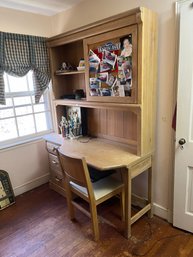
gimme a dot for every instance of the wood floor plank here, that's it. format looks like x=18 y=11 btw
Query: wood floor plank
x=38 y=226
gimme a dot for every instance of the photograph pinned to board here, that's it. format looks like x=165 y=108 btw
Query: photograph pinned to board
x=121 y=77
x=93 y=57
x=127 y=88
x=105 y=92
x=109 y=58
x=120 y=61
x=95 y=83
x=118 y=89
x=111 y=80
x=94 y=92
x=127 y=83
x=126 y=46
x=104 y=66
x=93 y=67
x=103 y=77
x=109 y=46
x=127 y=70
x=94 y=62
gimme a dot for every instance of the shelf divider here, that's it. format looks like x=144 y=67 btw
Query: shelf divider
x=63 y=73
x=102 y=105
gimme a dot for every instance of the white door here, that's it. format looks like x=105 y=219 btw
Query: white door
x=183 y=179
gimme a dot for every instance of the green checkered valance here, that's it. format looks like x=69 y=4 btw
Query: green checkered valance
x=21 y=53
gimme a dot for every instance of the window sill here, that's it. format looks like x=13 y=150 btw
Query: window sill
x=23 y=142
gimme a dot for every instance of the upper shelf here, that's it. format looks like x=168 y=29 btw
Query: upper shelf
x=84 y=103
x=63 y=73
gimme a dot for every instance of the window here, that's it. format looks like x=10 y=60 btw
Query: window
x=21 y=119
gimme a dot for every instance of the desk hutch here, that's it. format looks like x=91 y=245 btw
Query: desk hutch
x=125 y=118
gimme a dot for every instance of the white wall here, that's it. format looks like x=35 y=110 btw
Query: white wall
x=27 y=164
x=89 y=11
x=24 y=23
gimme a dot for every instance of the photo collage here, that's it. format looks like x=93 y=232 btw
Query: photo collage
x=110 y=68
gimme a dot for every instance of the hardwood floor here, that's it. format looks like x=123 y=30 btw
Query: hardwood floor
x=38 y=226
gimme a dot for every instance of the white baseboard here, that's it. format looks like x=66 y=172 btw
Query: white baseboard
x=31 y=184
x=170 y=216
x=160 y=211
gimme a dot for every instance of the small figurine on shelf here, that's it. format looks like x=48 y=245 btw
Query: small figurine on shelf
x=81 y=66
x=64 y=127
x=65 y=67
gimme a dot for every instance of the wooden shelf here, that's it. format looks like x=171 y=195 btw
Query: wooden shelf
x=69 y=73
x=84 y=103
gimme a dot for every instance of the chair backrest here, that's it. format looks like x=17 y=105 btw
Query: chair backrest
x=76 y=170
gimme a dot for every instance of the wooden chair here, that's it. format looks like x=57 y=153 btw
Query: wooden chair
x=77 y=180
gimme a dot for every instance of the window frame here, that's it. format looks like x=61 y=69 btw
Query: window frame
x=48 y=113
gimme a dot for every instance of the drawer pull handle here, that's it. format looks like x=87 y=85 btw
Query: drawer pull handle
x=54 y=149
x=57 y=179
x=54 y=162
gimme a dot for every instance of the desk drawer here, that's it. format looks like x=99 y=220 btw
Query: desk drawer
x=57 y=178
x=51 y=147
x=54 y=163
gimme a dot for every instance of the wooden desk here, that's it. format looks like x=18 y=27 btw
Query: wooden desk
x=104 y=155
x=99 y=153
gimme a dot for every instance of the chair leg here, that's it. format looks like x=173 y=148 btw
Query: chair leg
x=122 y=202
x=71 y=209
x=69 y=203
x=94 y=218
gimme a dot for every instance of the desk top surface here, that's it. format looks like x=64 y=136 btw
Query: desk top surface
x=99 y=153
